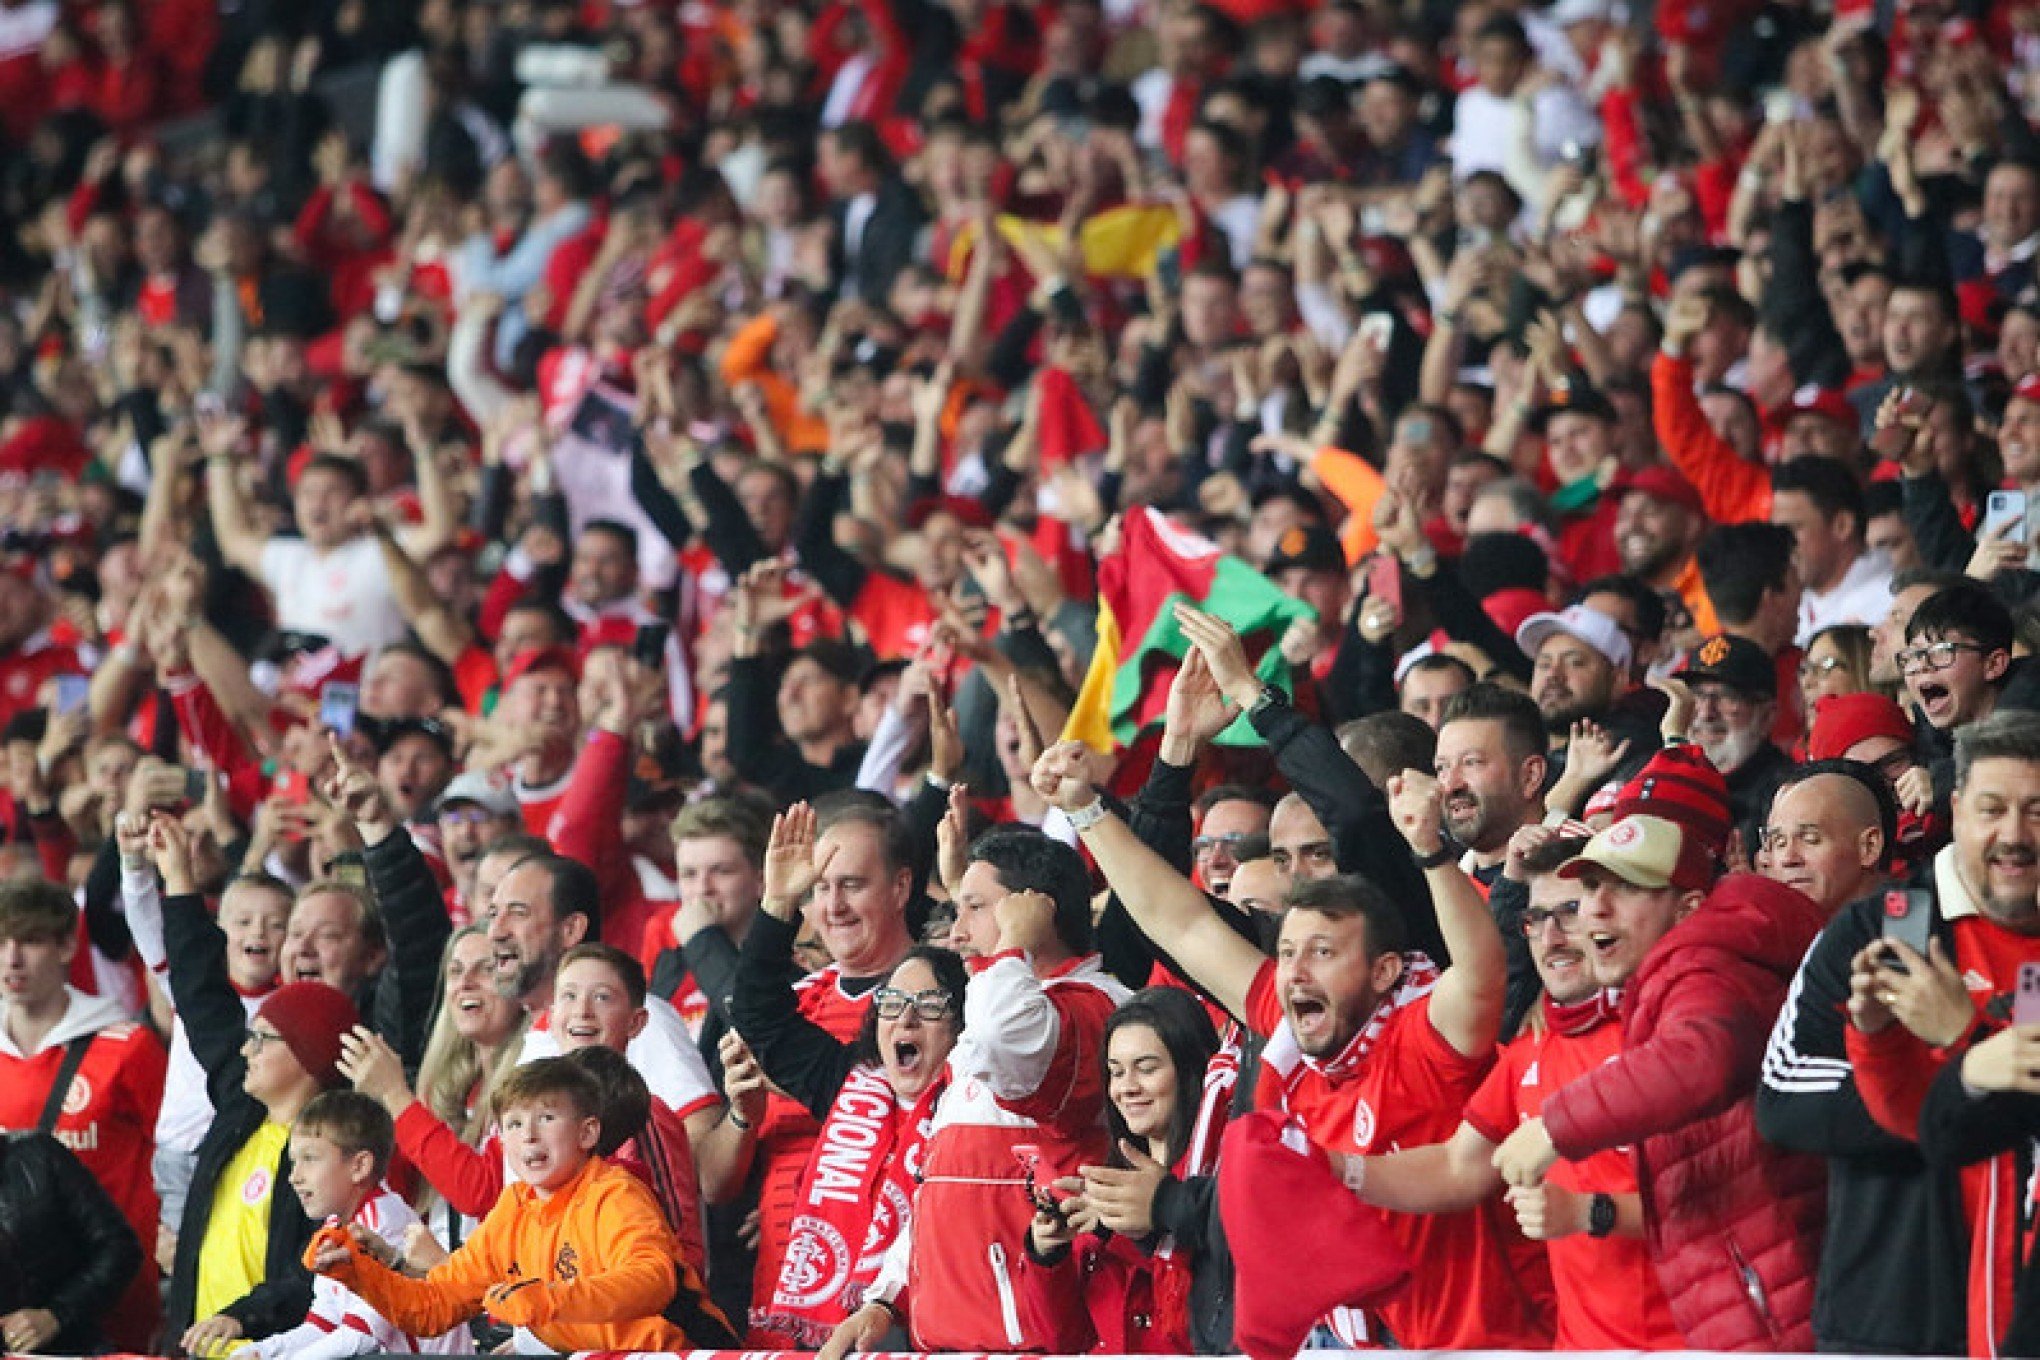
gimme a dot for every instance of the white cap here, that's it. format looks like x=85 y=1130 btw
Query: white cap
x=1590 y=626
x=1568 y=12
x=472 y=786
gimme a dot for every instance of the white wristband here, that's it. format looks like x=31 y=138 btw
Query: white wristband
x=1354 y=1172
x=1084 y=818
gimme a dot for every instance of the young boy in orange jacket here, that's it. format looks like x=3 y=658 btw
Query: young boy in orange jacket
x=576 y=1251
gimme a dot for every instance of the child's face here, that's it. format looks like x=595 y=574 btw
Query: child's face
x=547 y=1141
x=254 y=920
x=591 y=1009
x=329 y=1181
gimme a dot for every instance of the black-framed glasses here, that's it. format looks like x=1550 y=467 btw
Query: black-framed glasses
x=1535 y=919
x=934 y=1004
x=1230 y=842
x=1935 y=656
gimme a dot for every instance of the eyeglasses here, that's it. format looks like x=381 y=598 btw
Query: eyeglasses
x=1825 y=665
x=1535 y=919
x=1937 y=656
x=1230 y=842
x=891 y=1003
x=466 y=816
x=259 y=1039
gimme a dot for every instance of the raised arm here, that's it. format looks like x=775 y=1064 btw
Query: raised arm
x=1466 y=1006
x=1162 y=902
x=241 y=541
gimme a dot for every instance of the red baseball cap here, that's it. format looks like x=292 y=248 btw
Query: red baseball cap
x=541 y=658
x=1662 y=483
x=1824 y=401
x=1842 y=720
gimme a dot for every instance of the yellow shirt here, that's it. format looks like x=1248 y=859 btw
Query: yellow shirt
x=233 y=1258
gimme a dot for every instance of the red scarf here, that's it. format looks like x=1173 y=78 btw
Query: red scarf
x=1582 y=1017
x=857 y=1189
x=1283 y=1063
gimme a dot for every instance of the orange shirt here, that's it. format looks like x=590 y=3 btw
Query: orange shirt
x=610 y=1263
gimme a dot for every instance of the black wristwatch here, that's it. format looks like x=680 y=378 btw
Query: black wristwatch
x=1601 y=1216
x=1443 y=855
x=1269 y=697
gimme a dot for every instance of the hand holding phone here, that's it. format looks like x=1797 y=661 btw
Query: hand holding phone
x=1908 y=919
x=2026 y=1000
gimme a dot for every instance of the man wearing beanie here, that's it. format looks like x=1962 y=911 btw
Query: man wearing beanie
x=1703 y=967
x=259 y=1072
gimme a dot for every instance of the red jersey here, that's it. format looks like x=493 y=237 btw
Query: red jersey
x=1401 y=1085
x=108 y=1120
x=24 y=670
x=786 y=1137
x=1608 y=1292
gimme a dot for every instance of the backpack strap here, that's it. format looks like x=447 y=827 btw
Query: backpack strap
x=74 y=1058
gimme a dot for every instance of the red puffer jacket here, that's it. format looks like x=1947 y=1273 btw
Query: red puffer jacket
x=1733 y=1223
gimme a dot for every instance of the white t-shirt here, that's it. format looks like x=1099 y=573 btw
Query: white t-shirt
x=343 y=595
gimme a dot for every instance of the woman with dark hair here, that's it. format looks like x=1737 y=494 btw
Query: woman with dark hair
x=875 y=1098
x=1099 y=1274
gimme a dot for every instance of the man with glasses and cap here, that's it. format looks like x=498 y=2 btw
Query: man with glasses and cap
x=1588 y=1212
x=1733 y=686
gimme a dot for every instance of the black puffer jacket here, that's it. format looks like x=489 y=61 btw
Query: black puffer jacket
x=63 y=1243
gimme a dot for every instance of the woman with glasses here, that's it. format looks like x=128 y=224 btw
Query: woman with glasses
x=1101 y=1270
x=875 y=1098
x=1837 y=661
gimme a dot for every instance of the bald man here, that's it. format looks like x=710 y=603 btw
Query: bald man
x=1258 y=886
x=1830 y=832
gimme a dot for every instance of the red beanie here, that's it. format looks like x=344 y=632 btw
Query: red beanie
x=1271 y=1178
x=311 y=1017
x=1842 y=720
x=1680 y=785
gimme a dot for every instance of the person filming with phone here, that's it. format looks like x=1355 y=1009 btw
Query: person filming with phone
x=1945 y=1041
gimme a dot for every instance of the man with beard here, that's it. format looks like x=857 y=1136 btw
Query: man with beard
x=1734 y=690
x=1579 y=665
x=1927 y=1079
x=1490 y=766
x=1658 y=524
x=1367 y=1046
x=1588 y=1212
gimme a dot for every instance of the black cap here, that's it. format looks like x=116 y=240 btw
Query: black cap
x=1577 y=396
x=1310 y=546
x=1733 y=661
x=387 y=732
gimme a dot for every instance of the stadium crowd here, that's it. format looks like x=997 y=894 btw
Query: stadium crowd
x=1027 y=676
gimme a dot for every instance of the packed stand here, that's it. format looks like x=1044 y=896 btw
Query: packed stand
x=969 y=676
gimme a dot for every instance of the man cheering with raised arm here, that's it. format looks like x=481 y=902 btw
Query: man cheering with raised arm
x=1369 y=1047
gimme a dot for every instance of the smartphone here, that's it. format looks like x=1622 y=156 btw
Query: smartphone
x=1169 y=268
x=1780 y=107
x=1376 y=329
x=2026 y=1000
x=649 y=647
x=1038 y=1183
x=339 y=703
x=1384 y=580
x=72 y=692
x=1909 y=918
x=2005 y=511
x=196 y=785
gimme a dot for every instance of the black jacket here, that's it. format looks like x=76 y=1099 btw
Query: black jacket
x=759 y=748
x=216 y=1025
x=1893 y=1260
x=399 y=1002
x=63 y=1243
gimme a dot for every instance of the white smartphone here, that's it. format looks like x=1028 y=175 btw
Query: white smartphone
x=2004 y=513
x=1377 y=328
x=2026 y=1000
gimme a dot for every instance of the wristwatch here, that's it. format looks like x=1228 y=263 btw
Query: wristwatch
x=1437 y=859
x=1269 y=697
x=1601 y=1216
